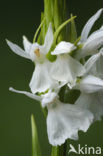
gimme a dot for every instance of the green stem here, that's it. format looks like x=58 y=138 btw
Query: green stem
x=55 y=151
x=64 y=149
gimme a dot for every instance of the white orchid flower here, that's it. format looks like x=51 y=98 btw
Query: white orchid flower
x=91 y=44
x=90 y=83
x=91 y=88
x=63 y=120
x=66 y=68
x=41 y=80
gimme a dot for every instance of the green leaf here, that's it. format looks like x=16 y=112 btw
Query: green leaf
x=35 y=143
x=73 y=32
x=55 y=151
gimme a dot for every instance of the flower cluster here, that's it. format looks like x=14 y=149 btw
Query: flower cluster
x=78 y=66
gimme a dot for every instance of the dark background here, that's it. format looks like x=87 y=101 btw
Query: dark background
x=18 y=18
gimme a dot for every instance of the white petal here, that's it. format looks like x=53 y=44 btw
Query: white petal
x=66 y=69
x=93 y=43
x=64 y=121
x=92 y=102
x=32 y=96
x=101 y=27
x=48 y=39
x=90 y=84
x=91 y=61
x=97 y=69
x=41 y=80
x=63 y=47
x=27 y=44
x=17 y=50
x=89 y=25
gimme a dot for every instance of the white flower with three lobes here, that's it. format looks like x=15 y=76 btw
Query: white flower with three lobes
x=41 y=79
x=63 y=120
x=66 y=68
x=91 y=44
x=91 y=87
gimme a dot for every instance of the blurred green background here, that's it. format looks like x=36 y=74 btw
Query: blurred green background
x=18 y=18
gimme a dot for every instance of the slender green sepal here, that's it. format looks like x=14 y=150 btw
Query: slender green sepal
x=55 y=151
x=37 y=31
x=35 y=142
x=73 y=32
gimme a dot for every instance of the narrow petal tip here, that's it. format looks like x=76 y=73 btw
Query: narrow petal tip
x=24 y=37
x=12 y=89
x=87 y=28
x=8 y=42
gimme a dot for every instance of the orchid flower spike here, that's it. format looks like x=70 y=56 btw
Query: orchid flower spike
x=66 y=68
x=91 y=44
x=41 y=80
x=63 y=120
